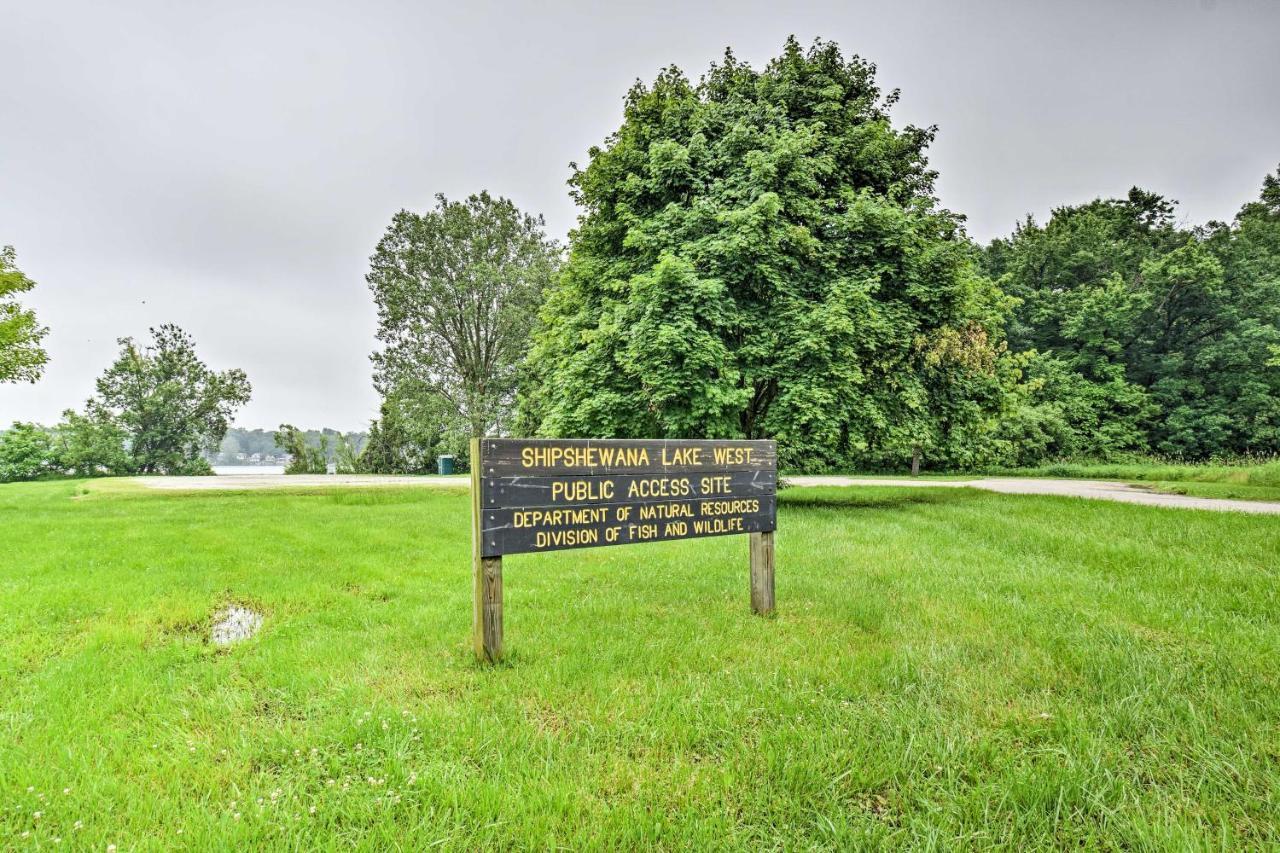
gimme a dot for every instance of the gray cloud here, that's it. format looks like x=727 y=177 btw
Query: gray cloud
x=229 y=166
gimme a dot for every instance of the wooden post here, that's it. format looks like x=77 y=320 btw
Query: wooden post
x=486 y=574
x=762 y=572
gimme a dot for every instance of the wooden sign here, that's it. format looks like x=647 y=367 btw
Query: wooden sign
x=536 y=494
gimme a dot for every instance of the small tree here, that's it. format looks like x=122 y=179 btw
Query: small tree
x=169 y=404
x=92 y=444
x=346 y=456
x=304 y=458
x=413 y=429
x=22 y=358
x=458 y=290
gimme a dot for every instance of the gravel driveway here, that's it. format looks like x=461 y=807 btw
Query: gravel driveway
x=1104 y=490
x=1094 y=489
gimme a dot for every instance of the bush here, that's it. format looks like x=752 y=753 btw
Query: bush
x=91 y=445
x=26 y=453
x=304 y=459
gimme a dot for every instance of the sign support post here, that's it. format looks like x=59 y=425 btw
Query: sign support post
x=762 y=572
x=530 y=495
x=486 y=576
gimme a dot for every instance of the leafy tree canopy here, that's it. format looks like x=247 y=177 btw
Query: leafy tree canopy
x=26 y=453
x=22 y=358
x=169 y=405
x=92 y=444
x=761 y=254
x=457 y=290
x=305 y=458
x=1170 y=334
x=415 y=425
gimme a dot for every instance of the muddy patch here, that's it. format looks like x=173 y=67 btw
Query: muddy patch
x=233 y=624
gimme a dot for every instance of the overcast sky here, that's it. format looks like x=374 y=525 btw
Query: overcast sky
x=229 y=166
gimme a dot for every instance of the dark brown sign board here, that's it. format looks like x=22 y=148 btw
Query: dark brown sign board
x=538 y=494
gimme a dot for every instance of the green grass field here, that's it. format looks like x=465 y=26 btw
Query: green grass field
x=947 y=669
x=1199 y=489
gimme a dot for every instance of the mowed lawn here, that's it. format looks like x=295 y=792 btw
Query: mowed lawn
x=947 y=669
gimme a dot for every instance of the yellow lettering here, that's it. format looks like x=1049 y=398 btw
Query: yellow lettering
x=716 y=485
x=565 y=538
x=733 y=455
x=660 y=487
x=576 y=491
x=738 y=507
x=558 y=517
x=682 y=456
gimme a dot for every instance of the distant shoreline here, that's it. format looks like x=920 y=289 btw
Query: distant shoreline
x=256 y=470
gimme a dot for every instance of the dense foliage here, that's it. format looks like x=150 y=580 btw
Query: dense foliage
x=96 y=443
x=346 y=454
x=414 y=427
x=457 y=289
x=22 y=358
x=159 y=409
x=169 y=404
x=26 y=453
x=304 y=458
x=761 y=254
x=1148 y=337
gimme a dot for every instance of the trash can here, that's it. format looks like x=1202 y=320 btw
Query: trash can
x=444 y=464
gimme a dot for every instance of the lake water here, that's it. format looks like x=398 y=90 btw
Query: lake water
x=257 y=470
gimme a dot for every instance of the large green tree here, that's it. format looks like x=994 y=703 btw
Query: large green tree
x=1237 y=357
x=22 y=358
x=457 y=290
x=170 y=406
x=761 y=254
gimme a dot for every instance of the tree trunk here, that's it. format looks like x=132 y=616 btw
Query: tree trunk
x=915 y=462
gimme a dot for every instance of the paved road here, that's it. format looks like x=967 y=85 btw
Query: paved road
x=1094 y=489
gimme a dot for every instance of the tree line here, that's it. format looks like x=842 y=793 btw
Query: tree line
x=157 y=410
x=761 y=254
x=270 y=447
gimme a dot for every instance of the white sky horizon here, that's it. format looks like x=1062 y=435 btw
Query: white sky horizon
x=230 y=167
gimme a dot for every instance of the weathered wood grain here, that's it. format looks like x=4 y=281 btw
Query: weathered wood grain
x=486 y=575
x=533 y=495
x=553 y=457
x=524 y=491
x=510 y=530
x=762 y=572
x=488 y=640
